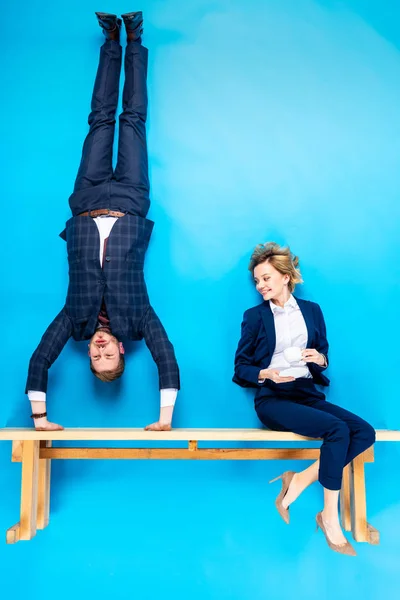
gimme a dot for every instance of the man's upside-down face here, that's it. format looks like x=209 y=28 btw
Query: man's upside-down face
x=105 y=351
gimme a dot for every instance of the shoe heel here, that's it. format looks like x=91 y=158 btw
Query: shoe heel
x=276 y=479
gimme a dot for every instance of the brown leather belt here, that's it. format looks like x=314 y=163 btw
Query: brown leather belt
x=102 y=211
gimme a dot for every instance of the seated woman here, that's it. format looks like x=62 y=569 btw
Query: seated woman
x=283 y=352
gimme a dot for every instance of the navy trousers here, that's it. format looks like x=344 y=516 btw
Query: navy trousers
x=127 y=187
x=299 y=407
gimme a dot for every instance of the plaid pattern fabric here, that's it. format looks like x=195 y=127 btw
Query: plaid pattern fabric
x=50 y=346
x=120 y=283
x=161 y=350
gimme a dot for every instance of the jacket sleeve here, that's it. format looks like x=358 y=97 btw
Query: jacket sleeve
x=161 y=350
x=50 y=346
x=322 y=345
x=246 y=372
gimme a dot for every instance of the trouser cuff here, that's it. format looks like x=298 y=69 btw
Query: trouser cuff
x=330 y=483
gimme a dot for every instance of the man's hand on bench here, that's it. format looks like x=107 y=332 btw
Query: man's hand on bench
x=158 y=426
x=45 y=425
x=164 y=420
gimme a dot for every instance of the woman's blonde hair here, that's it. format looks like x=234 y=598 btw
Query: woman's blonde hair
x=281 y=258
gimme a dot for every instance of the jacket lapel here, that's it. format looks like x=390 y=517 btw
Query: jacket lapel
x=307 y=313
x=268 y=320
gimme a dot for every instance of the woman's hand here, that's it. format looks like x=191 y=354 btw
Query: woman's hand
x=273 y=375
x=310 y=355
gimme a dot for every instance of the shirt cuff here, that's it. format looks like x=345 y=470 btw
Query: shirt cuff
x=168 y=397
x=36 y=396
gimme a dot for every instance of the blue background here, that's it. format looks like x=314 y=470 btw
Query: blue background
x=268 y=120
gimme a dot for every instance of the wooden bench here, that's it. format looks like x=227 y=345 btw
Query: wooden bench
x=34 y=450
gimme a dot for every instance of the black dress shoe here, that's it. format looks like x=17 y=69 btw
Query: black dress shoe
x=133 y=25
x=110 y=25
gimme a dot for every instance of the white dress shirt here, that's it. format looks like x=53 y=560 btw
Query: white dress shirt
x=290 y=330
x=104 y=225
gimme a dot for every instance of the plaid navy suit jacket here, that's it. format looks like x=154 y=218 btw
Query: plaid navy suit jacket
x=121 y=283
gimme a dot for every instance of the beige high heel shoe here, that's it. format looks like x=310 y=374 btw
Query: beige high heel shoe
x=346 y=548
x=286 y=477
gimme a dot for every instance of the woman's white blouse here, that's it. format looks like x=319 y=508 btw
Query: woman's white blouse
x=290 y=330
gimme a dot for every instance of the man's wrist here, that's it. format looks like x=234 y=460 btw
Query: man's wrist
x=36 y=396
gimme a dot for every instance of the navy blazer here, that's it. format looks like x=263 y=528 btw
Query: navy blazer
x=258 y=341
x=122 y=286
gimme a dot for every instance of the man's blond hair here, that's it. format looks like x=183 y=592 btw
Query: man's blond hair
x=109 y=376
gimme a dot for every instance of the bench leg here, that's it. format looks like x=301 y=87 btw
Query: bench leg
x=362 y=530
x=373 y=535
x=16 y=454
x=359 y=513
x=345 y=503
x=43 y=504
x=26 y=528
x=12 y=534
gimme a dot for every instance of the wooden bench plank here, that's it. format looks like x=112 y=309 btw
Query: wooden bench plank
x=387 y=435
x=312 y=453
x=182 y=453
x=136 y=434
